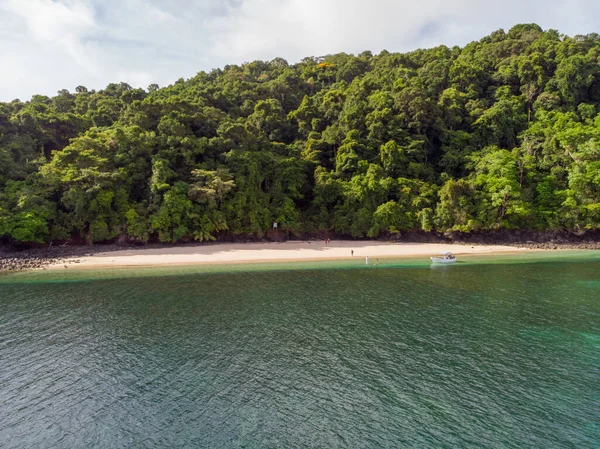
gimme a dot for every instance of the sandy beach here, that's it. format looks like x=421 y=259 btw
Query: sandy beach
x=276 y=252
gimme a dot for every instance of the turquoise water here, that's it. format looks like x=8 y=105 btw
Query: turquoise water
x=493 y=352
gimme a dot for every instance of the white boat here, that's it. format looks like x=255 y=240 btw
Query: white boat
x=445 y=258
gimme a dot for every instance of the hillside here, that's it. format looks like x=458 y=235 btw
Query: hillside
x=501 y=134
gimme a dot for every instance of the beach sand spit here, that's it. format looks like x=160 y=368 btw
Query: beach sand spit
x=274 y=252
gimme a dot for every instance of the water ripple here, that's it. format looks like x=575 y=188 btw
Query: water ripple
x=477 y=356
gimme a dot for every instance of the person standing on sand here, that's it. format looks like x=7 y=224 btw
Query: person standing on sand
x=352 y=252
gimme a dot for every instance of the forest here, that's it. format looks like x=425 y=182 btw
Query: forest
x=502 y=134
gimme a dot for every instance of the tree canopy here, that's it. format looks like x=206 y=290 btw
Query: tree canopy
x=501 y=134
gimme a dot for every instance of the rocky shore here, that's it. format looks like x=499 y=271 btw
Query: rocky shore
x=558 y=245
x=565 y=240
x=38 y=258
x=13 y=259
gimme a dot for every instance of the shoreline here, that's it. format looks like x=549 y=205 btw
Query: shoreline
x=285 y=252
x=74 y=266
x=237 y=253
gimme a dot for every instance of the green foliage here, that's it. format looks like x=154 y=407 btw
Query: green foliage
x=172 y=220
x=501 y=134
x=456 y=207
x=211 y=187
x=499 y=194
x=25 y=213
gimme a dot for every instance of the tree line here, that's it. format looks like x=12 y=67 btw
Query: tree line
x=501 y=134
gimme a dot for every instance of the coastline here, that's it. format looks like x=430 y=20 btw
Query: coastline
x=284 y=252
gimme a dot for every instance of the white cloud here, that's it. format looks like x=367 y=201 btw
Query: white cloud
x=58 y=25
x=265 y=28
x=47 y=45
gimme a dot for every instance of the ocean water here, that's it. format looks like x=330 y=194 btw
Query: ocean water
x=490 y=353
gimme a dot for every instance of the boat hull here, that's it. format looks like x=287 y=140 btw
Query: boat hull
x=443 y=261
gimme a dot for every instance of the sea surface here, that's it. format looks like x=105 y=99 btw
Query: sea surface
x=501 y=353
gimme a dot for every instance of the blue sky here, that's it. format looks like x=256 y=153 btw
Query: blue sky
x=48 y=45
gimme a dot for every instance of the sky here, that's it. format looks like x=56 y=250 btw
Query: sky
x=49 y=45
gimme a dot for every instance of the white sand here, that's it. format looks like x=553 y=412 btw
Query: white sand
x=273 y=252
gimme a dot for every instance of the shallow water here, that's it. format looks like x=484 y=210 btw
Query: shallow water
x=496 y=354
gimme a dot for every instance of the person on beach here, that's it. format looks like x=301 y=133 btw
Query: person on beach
x=367 y=260
x=352 y=252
